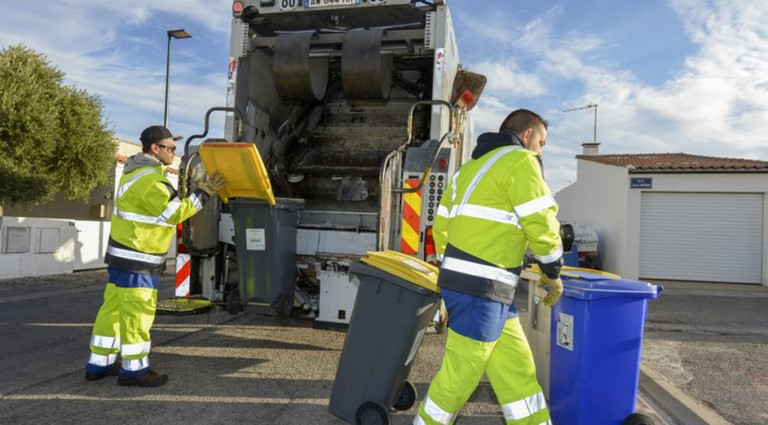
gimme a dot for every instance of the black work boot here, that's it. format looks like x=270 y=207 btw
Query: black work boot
x=149 y=379
x=95 y=376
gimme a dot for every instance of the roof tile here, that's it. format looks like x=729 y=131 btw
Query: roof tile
x=678 y=162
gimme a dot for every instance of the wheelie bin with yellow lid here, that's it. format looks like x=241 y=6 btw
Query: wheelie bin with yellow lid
x=265 y=229
x=395 y=304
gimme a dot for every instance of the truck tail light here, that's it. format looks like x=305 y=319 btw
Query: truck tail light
x=237 y=8
x=180 y=248
x=430 y=254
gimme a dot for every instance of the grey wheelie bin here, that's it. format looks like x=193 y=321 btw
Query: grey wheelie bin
x=265 y=228
x=395 y=304
x=266 y=256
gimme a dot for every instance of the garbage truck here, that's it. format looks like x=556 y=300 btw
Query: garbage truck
x=360 y=112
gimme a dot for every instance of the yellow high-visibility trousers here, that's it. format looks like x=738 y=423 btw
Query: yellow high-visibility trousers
x=508 y=362
x=123 y=324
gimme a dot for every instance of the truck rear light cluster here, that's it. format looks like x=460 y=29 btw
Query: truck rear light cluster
x=430 y=254
x=246 y=13
x=180 y=248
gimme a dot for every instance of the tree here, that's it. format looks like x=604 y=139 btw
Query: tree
x=53 y=138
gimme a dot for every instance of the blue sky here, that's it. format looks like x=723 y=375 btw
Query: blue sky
x=667 y=75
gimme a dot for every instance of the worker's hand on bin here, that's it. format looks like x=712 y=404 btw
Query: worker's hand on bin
x=213 y=183
x=555 y=289
x=195 y=177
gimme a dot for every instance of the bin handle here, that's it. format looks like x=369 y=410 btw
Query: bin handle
x=535 y=312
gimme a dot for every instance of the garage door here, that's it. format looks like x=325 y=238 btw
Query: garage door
x=710 y=237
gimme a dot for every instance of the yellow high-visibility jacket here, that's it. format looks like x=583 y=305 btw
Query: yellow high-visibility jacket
x=494 y=208
x=147 y=210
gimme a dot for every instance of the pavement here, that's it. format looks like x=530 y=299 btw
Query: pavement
x=704 y=360
x=707 y=344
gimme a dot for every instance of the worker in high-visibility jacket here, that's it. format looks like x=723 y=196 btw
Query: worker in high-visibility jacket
x=147 y=210
x=495 y=208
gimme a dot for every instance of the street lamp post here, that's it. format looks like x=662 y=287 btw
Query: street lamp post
x=180 y=33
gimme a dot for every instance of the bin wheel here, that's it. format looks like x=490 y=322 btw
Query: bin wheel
x=284 y=306
x=371 y=413
x=233 y=302
x=638 y=419
x=407 y=397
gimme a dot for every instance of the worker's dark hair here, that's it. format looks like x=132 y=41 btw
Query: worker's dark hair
x=520 y=120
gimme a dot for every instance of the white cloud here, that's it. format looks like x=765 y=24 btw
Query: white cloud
x=104 y=48
x=507 y=78
x=716 y=103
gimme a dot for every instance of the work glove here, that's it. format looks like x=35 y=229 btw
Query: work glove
x=195 y=176
x=212 y=184
x=555 y=289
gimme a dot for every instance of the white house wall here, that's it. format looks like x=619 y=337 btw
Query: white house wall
x=92 y=237
x=48 y=249
x=602 y=198
x=599 y=199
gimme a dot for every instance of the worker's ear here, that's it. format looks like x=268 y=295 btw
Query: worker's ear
x=526 y=137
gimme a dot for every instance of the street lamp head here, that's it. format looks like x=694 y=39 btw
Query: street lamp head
x=180 y=33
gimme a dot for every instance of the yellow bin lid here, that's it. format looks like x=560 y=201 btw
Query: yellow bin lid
x=241 y=165
x=405 y=267
x=572 y=271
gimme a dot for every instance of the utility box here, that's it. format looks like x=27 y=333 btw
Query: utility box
x=338 y=291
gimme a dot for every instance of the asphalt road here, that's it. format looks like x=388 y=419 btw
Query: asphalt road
x=711 y=345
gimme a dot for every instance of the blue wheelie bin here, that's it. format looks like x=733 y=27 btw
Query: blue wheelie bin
x=596 y=339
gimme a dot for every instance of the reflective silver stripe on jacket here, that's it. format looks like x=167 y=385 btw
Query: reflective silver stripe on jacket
x=162 y=219
x=134 y=365
x=124 y=187
x=436 y=413
x=139 y=218
x=480 y=270
x=109 y=342
x=133 y=255
x=134 y=349
x=453 y=187
x=487 y=213
x=196 y=202
x=171 y=209
x=535 y=205
x=487 y=166
x=553 y=256
x=101 y=360
x=524 y=408
x=176 y=203
x=443 y=211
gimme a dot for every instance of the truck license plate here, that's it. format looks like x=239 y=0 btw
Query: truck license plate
x=314 y=4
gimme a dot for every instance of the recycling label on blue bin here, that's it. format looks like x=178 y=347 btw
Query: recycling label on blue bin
x=565 y=331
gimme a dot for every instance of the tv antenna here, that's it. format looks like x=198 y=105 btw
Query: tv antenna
x=594 y=127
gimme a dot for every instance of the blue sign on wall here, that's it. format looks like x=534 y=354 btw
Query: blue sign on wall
x=641 y=183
